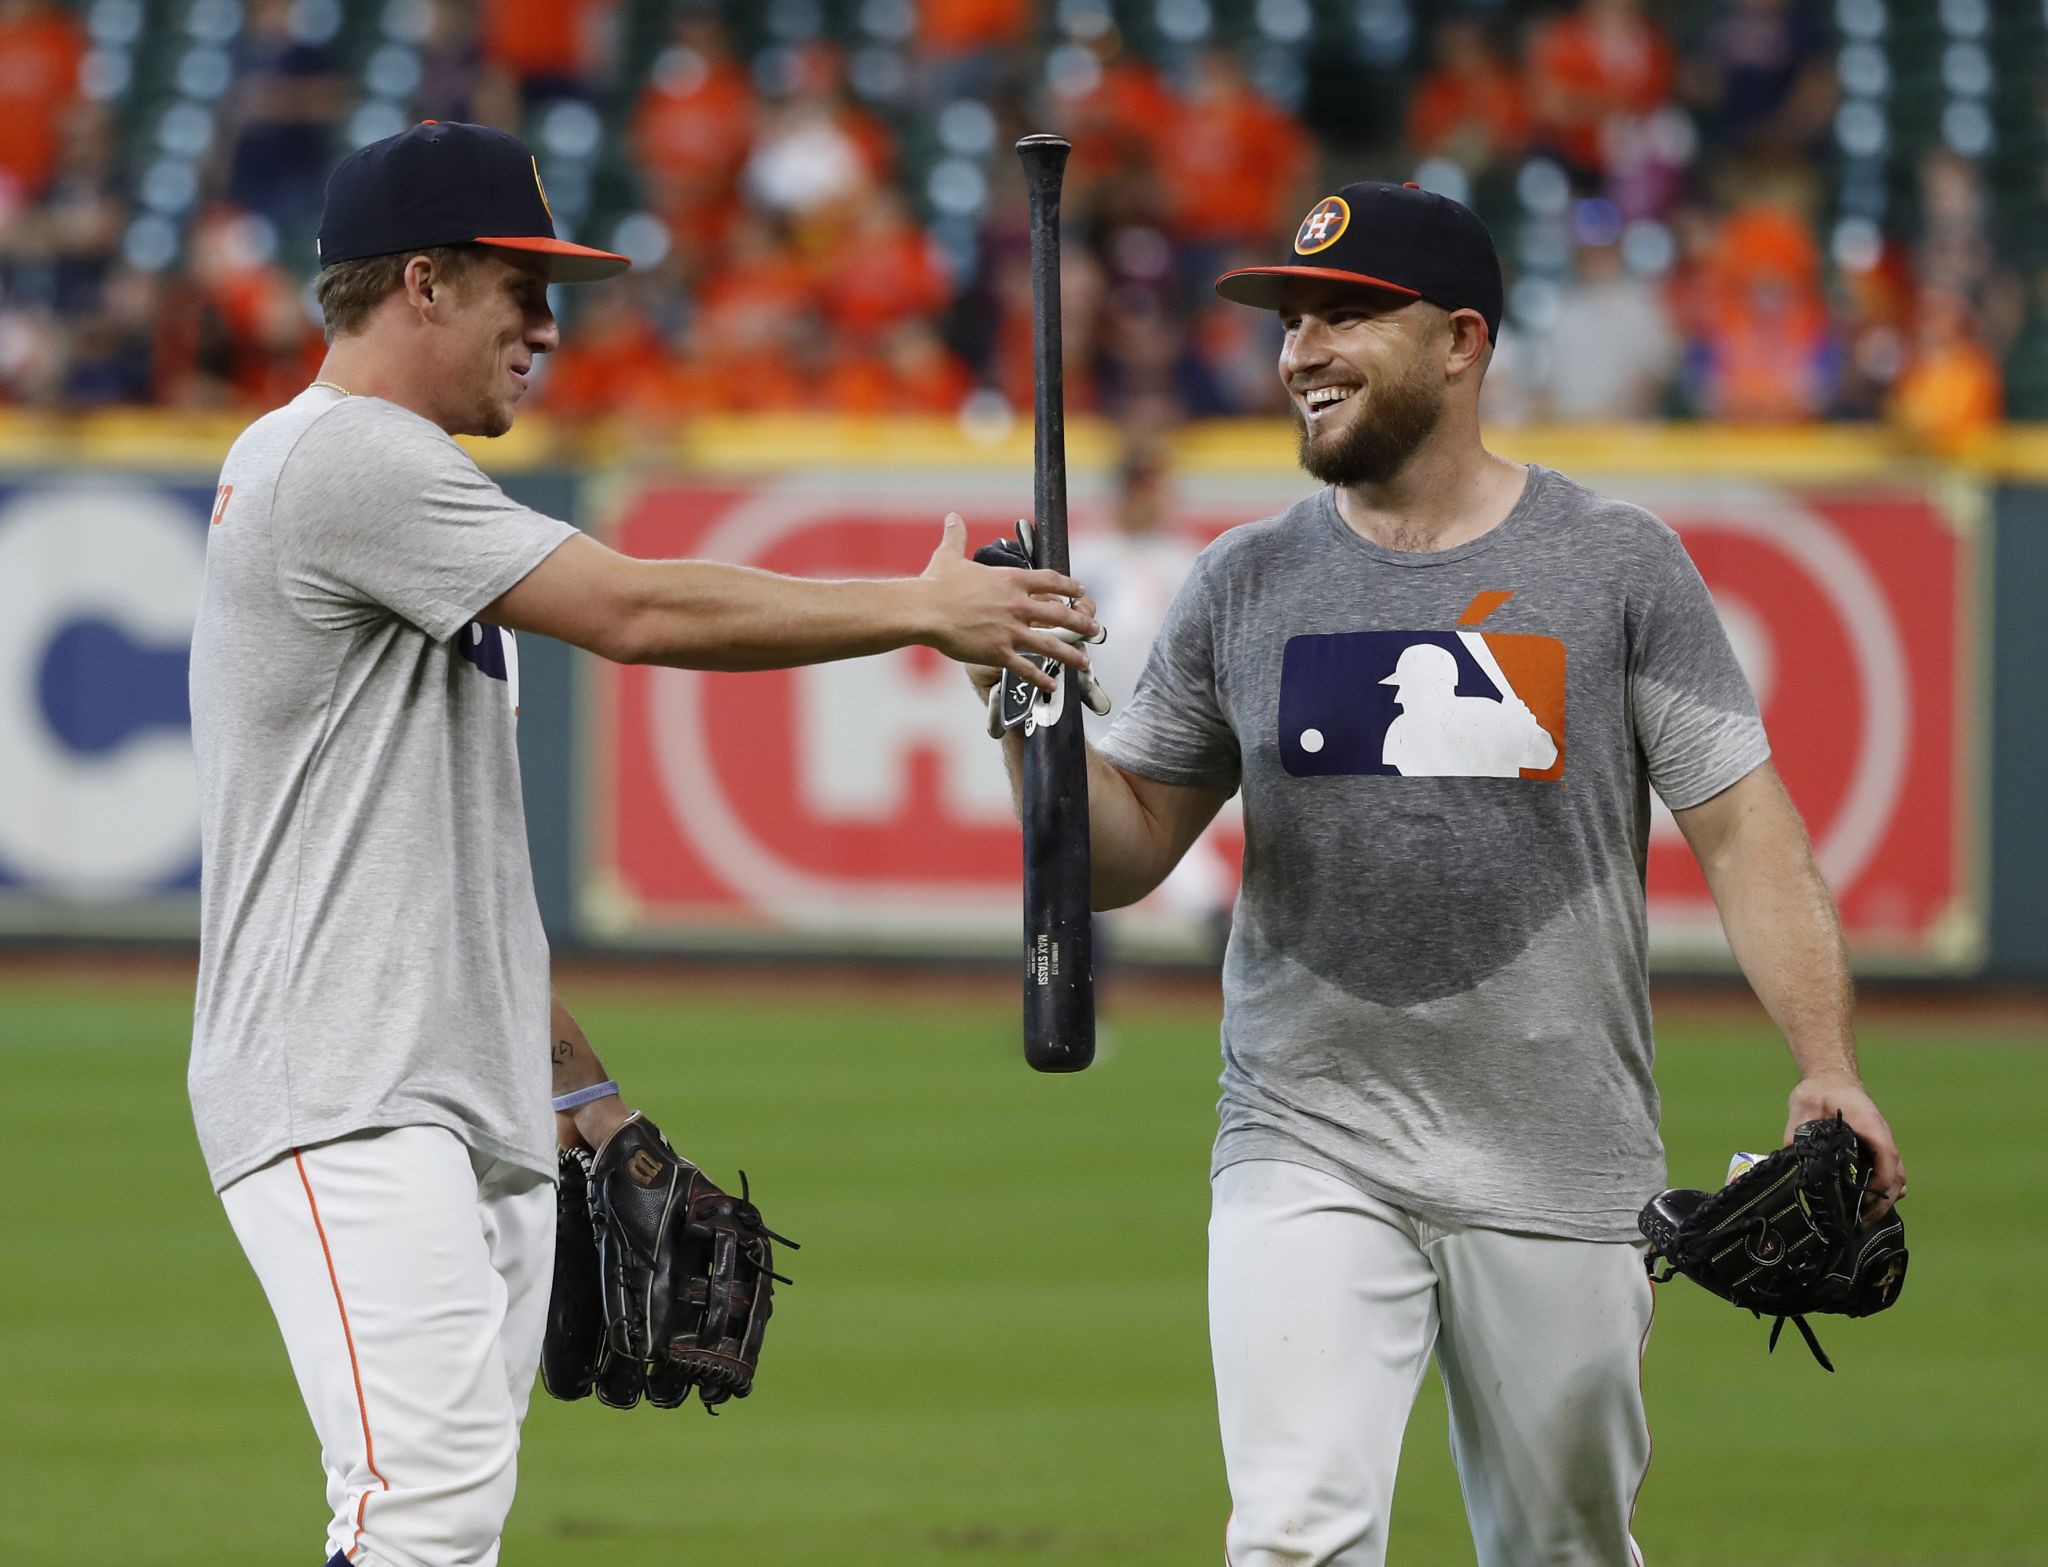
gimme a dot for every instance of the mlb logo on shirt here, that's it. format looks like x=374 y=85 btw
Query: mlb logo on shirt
x=1424 y=704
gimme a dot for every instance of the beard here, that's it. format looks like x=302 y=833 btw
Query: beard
x=1379 y=440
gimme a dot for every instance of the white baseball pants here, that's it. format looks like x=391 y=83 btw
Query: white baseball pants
x=410 y=1277
x=1324 y=1308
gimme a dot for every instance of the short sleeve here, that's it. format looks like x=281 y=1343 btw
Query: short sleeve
x=1174 y=729
x=1695 y=717
x=377 y=511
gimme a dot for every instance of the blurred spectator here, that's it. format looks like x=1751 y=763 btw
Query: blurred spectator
x=239 y=332
x=1470 y=106
x=1134 y=566
x=1957 y=251
x=756 y=330
x=1763 y=78
x=1233 y=163
x=1876 y=311
x=691 y=131
x=41 y=48
x=817 y=155
x=1762 y=350
x=1596 y=74
x=456 y=82
x=61 y=251
x=549 y=47
x=884 y=271
x=616 y=362
x=1612 y=350
x=1951 y=390
x=280 y=113
x=970 y=44
x=113 y=352
x=911 y=372
x=1114 y=112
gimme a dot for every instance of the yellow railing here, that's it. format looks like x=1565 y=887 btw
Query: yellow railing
x=151 y=439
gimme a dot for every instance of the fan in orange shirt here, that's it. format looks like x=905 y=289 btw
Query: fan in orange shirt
x=1232 y=163
x=757 y=325
x=1470 y=107
x=1765 y=341
x=616 y=363
x=886 y=271
x=543 y=43
x=41 y=49
x=914 y=375
x=1594 y=70
x=691 y=130
x=1116 y=123
x=1951 y=390
x=947 y=28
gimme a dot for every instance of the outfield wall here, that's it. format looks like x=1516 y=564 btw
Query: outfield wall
x=1887 y=612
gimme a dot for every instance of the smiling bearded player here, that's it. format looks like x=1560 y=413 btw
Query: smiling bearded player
x=370 y=1070
x=1438 y=1118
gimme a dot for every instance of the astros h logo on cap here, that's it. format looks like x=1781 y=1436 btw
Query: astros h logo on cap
x=1394 y=240
x=1323 y=227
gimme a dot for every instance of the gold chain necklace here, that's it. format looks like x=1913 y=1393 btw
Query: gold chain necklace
x=332 y=387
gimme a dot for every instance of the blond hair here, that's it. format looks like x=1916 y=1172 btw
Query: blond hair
x=350 y=290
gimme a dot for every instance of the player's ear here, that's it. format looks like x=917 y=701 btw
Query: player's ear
x=1469 y=345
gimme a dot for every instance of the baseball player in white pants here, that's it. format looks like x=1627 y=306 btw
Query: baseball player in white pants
x=1438 y=1115
x=375 y=1041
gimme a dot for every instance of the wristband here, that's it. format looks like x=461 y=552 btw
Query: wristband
x=580 y=1097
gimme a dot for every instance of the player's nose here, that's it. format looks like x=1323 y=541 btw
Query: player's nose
x=543 y=332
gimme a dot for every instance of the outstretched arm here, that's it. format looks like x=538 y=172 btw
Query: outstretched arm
x=1783 y=927
x=704 y=615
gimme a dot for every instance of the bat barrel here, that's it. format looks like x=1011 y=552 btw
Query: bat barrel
x=1059 y=957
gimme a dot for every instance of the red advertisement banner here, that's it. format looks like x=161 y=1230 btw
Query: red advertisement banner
x=861 y=806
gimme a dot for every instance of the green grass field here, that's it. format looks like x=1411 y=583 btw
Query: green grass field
x=995 y=1353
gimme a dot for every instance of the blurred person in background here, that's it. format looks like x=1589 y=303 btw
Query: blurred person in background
x=41 y=49
x=1134 y=566
x=1761 y=74
x=967 y=46
x=691 y=131
x=1761 y=347
x=456 y=81
x=755 y=334
x=1470 y=105
x=549 y=48
x=236 y=327
x=1951 y=391
x=61 y=250
x=1612 y=350
x=1595 y=74
x=1232 y=163
x=111 y=360
x=816 y=155
x=908 y=372
x=886 y=272
x=280 y=116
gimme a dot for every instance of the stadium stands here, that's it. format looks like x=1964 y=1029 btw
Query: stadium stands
x=1799 y=211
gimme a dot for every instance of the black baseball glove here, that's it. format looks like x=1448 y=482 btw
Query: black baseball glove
x=663 y=1282
x=1786 y=1237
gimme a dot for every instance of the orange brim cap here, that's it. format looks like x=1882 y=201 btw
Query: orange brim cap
x=567 y=263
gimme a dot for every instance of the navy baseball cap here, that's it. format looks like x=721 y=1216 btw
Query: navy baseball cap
x=445 y=183
x=1400 y=238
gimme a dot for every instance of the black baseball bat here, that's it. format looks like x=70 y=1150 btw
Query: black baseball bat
x=1059 y=949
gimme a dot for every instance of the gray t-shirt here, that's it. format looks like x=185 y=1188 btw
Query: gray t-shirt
x=371 y=953
x=1436 y=984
